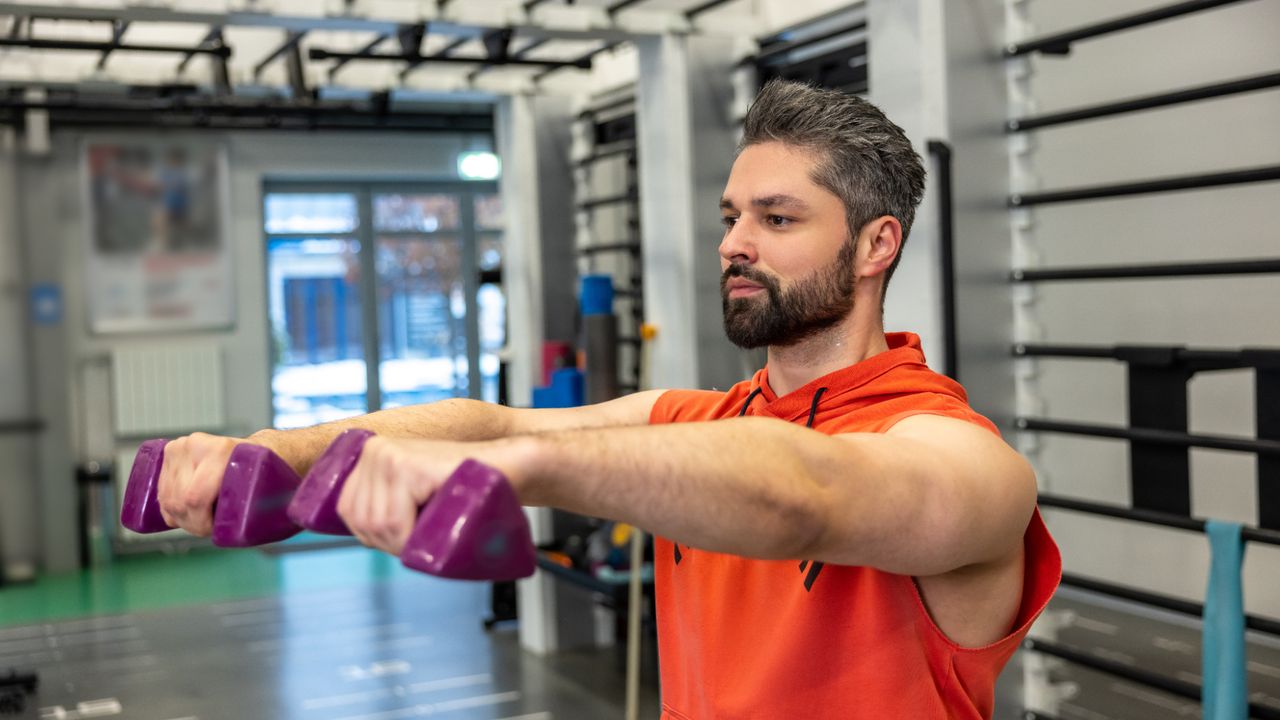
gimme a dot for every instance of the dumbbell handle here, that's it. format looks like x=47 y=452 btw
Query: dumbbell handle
x=252 y=503
x=472 y=527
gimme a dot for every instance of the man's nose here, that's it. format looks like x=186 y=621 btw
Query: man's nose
x=738 y=245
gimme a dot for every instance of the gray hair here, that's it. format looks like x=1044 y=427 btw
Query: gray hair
x=867 y=160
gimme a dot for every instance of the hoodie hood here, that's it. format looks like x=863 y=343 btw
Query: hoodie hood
x=900 y=370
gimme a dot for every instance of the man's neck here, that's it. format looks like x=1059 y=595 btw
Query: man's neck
x=851 y=341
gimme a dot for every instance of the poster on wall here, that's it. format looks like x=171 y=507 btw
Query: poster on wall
x=158 y=258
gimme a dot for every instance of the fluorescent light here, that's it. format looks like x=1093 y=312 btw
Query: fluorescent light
x=479 y=166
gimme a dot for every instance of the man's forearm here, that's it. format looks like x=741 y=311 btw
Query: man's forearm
x=454 y=419
x=739 y=486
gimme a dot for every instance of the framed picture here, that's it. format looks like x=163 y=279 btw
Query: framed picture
x=158 y=256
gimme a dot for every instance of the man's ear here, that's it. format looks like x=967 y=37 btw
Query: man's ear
x=878 y=245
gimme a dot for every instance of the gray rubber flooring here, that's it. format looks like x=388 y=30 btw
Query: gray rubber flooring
x=1132 y=635
x=398 y=649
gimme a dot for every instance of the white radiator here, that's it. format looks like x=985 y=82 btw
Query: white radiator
x=164 y=390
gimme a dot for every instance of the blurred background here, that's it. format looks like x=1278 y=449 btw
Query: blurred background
x=228 y=215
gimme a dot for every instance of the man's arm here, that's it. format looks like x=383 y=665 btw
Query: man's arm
x=193 y=465
x=457 y=419
x=933 y=495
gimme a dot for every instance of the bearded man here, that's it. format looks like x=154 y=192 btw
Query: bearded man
x=840 y=536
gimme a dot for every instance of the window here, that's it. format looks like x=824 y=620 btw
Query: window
x=428 y=317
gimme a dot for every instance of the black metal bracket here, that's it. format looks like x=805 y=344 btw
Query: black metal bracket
x=497 y=43
x=1158 y=440
x=1160 y=474
x=118 y=28
x=1060 y=43
x=1267 y=408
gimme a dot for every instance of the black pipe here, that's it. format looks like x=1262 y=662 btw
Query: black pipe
x=697 y=10
x=322 y=54
x=947 y=257
x=1151 y=517
x=27 y=426
x=34 y=44
x=1147 y=102
x=1060 y=43
x=418 y=60
x=1196 y=359
x=1184 y=182
x=1164 y=602
x=631 y=247
x=368 y=48
x=587 y=57
x=1157 y=437
x=610 y=200
x=1119 y=272
x=621 y=5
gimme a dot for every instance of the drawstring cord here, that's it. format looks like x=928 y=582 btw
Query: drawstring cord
x=813 y=407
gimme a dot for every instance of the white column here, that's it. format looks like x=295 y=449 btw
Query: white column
x=906 y=66
x=686 y=145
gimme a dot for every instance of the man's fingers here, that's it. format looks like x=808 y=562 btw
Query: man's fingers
x=190 y=478
x=376 y=502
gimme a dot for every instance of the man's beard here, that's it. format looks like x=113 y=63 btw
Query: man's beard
x=780 y=318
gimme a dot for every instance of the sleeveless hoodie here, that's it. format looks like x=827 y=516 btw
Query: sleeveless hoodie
x=747 y=639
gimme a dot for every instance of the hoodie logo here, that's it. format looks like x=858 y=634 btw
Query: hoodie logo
x=813 y=574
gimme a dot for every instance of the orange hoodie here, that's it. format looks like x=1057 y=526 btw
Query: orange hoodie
x=746 y=639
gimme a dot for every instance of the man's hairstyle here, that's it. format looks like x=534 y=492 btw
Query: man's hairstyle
x=865 y=159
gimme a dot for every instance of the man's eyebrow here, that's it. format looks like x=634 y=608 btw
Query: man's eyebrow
x=769 y=201
x=784 y=201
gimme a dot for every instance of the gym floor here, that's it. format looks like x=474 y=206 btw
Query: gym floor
x=340 y=634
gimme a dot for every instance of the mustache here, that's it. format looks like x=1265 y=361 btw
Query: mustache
x=750 y=274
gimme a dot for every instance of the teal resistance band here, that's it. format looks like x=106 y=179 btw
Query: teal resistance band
x=1225 y=694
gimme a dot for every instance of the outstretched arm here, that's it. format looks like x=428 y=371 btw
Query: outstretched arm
x=193 y=465
x=458 y=419
x=933 y=495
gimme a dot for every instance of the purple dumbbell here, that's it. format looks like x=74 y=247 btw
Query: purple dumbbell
x=472 y=528
x=252 y=503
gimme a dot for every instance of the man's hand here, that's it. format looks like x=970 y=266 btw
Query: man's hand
x=190 y=479
x=394 y=478
x=191 y=476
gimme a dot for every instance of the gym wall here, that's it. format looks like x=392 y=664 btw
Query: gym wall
x=53 y=235
x=1234 y=222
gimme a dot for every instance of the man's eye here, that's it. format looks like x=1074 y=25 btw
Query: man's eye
x=777 y=220
x=728 y=220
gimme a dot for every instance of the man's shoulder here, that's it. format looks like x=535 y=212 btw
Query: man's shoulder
x=698 y=405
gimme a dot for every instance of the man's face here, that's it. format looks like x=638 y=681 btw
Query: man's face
x=787 y=258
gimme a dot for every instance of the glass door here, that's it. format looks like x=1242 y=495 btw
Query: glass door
x=431 y=325
x=314 y=304
x=422 y=308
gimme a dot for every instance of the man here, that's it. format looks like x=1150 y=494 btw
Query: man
x=884 y=566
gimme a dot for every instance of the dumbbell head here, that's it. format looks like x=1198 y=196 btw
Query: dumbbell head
x=140 y=511
x=315 y=505
x=252 y=500
x=473 y=528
